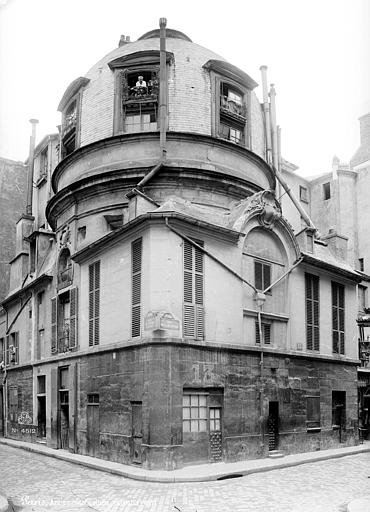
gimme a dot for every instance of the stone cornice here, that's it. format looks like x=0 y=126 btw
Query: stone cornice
x=44 y=278
x=324 y=265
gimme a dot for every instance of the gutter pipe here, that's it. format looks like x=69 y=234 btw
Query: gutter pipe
x=266 y=108
x=31 y=160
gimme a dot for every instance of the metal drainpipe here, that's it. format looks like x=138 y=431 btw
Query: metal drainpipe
x=31 y=159
x=274 y=134
x=266 y=108
x=162 y=103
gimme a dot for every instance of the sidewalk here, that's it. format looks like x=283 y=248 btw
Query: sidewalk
x=199 y=473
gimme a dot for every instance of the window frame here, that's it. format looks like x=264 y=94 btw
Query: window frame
x=303 y=194
x=263 y=265
x=265 y=326
x=312 y=343
x=198 y=418
x=326 y=187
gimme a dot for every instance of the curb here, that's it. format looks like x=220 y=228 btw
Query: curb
x=194 y=473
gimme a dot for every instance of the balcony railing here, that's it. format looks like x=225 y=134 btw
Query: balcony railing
x=148 y=93
x=233 y=107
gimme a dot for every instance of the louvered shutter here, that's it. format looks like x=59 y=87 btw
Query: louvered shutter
x=54 y=330
x=193 y=291
x=258 y=338
x=136 y=264
x=94 y=303
x=312 y=312
x=73 y=295
x=338 y=311
x=267 y=334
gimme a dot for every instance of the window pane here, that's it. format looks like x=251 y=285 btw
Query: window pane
x=186 y=400
x=186 y=426
x=202 y=412
x=186 y=413
x=194 y=400
x=194 y=412
x=202 y=400
x=194 y=425
x=266 y=276
x=202 y=426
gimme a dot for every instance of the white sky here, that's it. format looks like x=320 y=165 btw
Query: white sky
x=317 y=53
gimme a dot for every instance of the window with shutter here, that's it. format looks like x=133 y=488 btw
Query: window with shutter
x=136 y=265
x=337 y=294
x=54 y=343
x=266 y=333
x=73 y=297
x=94 y=304
x=262 y=275
x=312 y=312
x=193 y=291
x=313 y=412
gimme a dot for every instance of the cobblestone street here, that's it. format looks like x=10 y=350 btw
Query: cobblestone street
x=33 y=482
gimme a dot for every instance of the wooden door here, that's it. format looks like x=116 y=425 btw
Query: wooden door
x=273 y=425
x=215 y=433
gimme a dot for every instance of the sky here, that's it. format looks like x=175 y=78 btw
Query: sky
x=317 y=53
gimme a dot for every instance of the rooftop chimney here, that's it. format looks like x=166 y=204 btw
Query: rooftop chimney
x=123 y=40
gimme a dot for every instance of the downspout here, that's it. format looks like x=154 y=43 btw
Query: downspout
x=31 y=159
x=162 y=104
x=274 y=134
x=266 y=109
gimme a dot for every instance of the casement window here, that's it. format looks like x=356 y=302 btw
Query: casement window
x=64 y=328
x=312 y=312
x=262 y=275
x=303 y=194
x=337 y=295
x=266 y=333
x=313 y=412
x=193 y=325
x=214 y=419
x=326 y=191
x=194 y=413
x=12 y=348
x=136 y=267
x=232 y=112
x=362 y=296
x=94 y=303
x=69 y=128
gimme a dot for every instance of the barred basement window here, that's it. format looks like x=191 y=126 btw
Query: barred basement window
x=266 y=333
x=194 y=413
x=136 y=264
x=193 y=291
x=337 y=294
x=94 y=303
x=312 y=312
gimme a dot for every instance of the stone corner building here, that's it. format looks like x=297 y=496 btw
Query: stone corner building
x=137 y=330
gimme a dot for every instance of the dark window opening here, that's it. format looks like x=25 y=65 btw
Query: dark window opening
x=326 y=191
x=313 y=412
x=303 y=194
x=361 y=264
x=339 y=411
x=41 y=384
x=93 y=398
x=44 y=163
x=65 y=269
x=69 y=129
x=262 y=275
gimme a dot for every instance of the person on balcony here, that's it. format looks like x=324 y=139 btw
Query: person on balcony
x=140 y=88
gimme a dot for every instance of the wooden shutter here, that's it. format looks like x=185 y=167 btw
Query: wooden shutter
x=193 y=324
x=312 y=312
x=266 y=333
x=73 y=297
x=136 y=264
x=94 y=303
x=337 y=293
x=54 y=333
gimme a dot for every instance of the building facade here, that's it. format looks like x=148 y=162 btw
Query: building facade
x=163 y=311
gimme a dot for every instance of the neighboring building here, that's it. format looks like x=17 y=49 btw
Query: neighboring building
x=13 y=181
x=137 y=330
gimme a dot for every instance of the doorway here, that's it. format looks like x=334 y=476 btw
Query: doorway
x=215 y=434
x=273 y=425
x=339 y=413
x=63 y=423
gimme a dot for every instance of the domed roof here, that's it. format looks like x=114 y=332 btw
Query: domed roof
x=170 y=32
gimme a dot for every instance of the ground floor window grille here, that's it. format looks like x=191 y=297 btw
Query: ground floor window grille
x=194 y=413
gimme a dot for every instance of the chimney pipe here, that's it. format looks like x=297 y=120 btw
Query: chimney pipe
x=31 y=159
x=162 y=88
x=274 y=134
x=266 y=108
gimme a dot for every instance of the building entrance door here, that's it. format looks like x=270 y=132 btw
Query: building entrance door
x=215 y=434
x=93 y=425
x=136 y=431
x=63 y=413
x=339 y=413
x=273 y=425
x=41 y=416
